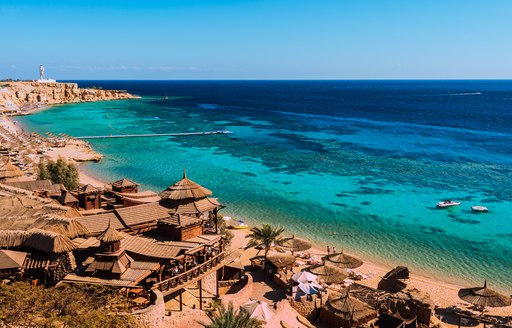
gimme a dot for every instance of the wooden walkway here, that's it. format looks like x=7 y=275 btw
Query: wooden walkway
x=113 y=136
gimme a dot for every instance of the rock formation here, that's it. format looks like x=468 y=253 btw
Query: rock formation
x=22 y=97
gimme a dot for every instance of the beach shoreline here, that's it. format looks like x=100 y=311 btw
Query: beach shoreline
x=443 y=292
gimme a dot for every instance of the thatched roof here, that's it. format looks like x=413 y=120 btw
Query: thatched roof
x=49 y=241
x=9 y=171
x=483 y=296
x=343 y=261
x=185 y=189
x=67 y=198
x=110 y=235
x=328 y=273
x=281 y=260
x=69 y=227
x=12 y=238
x=42 y=240
x=123 y=183
x=351 y=309
x=88 y=189
x=295 y=244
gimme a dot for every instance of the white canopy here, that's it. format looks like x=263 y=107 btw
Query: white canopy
x=308 y=288
x=258 y=310
x=304 y=277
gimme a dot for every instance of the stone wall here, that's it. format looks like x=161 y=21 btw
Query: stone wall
x=154 y=315
x=241 y=297
x=17 y=96
x=209 y=283
x=187 y=318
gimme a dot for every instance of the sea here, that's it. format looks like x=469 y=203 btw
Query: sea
x=358 y=165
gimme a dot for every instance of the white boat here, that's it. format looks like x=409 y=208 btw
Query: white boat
x=479 y=209
x=447 y=203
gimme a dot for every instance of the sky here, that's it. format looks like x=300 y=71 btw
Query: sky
x=258 y=39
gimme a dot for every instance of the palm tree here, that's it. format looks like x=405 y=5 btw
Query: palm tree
x=228 y=318
x=267 y=236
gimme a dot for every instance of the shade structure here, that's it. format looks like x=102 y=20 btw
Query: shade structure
x=258 y=310
x=304 y=277
x=295 y=244
x=185 y=189
x=281 y=260
x=308 y=289
x=9 y=171
x=328 y=273
x=351 y=309
x=483 y=296
x=343 y=261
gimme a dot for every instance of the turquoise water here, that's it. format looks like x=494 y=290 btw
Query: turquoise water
x=367 y=185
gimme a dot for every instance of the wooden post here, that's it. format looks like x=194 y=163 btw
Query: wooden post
x=181 y=300
x=459 y=320
x=217 y=282
x=200 y=282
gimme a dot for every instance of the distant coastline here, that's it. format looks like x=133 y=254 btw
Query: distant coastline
x=23 y=98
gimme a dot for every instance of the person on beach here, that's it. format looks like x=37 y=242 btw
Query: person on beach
x=334 y=249
x=328 y=250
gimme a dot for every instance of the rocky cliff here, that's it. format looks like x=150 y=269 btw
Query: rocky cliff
x=22 y=97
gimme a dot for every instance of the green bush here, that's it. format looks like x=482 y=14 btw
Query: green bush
x=60 y=171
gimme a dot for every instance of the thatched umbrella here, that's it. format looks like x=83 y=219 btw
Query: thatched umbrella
x=185 y=189
x=281 y=260
x=294 y=244
x=483 y=296
x=351 y=309
x=328 y=273
x=343 y=261
x=9 y=171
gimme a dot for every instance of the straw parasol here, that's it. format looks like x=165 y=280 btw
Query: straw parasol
x=258 y=310
x=343 y=261
x=351 y=309
x=281 y=260
x=483 y=297
x=328 y=273
x=9 y=171
x=185 y=189
x=295 y=244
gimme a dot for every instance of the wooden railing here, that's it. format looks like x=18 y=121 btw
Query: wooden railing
x=183 y=278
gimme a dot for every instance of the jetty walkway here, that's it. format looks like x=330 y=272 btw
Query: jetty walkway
x=113 y=136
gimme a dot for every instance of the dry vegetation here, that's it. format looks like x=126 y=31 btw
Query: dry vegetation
x=23 y=305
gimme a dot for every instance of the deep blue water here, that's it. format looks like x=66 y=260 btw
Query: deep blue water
x=359 y=164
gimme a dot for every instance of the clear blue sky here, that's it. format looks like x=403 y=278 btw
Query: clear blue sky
x=259 y=39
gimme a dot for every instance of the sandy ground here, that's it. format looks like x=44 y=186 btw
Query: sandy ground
x=443 y=294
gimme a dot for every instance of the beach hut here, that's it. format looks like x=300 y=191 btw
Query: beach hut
x=89 y=197
x=125 y=186
x=67 y=199
x=343 y=261
x=280 y=262
x=180 y=227
x=327 y=273
x=11 y=263
x=258 y=310
x=10 y=172
x=190 y=198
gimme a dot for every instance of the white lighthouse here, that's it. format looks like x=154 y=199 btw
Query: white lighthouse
x=41 y=75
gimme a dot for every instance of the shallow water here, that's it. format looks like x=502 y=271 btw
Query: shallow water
x=356 y=164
